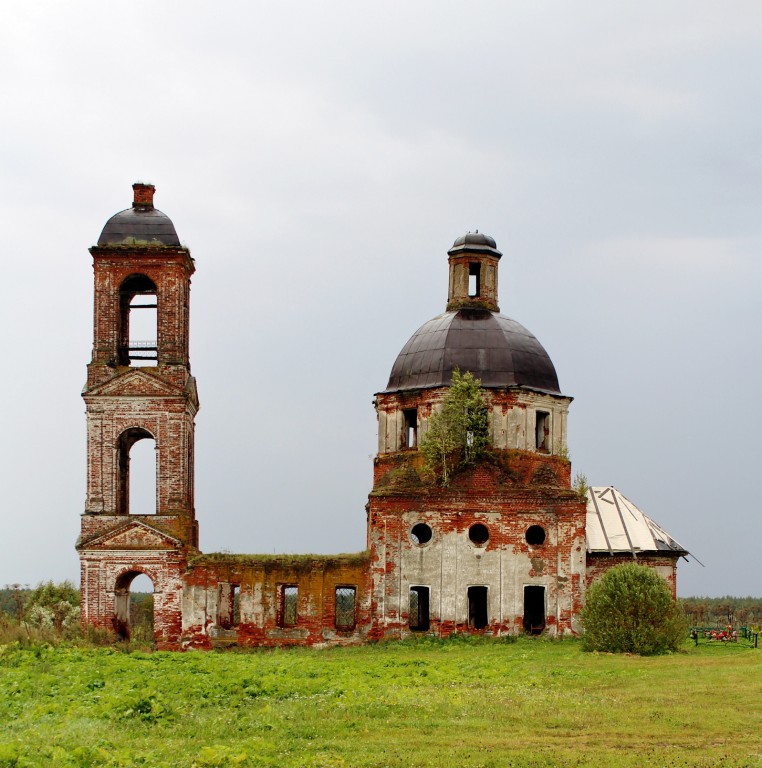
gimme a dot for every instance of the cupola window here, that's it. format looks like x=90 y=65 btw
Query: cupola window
x=474 y=279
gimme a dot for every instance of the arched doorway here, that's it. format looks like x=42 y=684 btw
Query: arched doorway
x=133 y=607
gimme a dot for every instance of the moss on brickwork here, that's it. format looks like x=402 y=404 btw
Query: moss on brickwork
x=130 y=243
x=296 y=562
x=405 y=477
x=404 y=472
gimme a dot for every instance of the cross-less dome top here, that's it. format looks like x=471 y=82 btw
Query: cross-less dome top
x=473 y=242
x=140 y=224
x=494 y=348
x=472 y=336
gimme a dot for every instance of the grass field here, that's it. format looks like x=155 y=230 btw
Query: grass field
x=426 y=703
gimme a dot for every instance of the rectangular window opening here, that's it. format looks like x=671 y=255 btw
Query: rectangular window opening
x=411 y=427
x=542 y=431
x=477 y=607
x=474 y=279
x=228 y=605
x=534 y=609
x=345 y=608
x=288 y=597
x=418 y=612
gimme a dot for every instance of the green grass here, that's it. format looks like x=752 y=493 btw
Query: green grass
x=426 y=703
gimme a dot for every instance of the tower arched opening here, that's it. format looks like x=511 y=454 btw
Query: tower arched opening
x=138 y=326
x=137 y=473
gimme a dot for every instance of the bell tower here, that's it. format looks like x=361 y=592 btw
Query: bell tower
x=139 y=388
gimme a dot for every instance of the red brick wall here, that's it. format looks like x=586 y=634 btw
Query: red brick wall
x=100 y=575
x=507 y=505
x=170 y=420
x=170 y=269
x=259 y=578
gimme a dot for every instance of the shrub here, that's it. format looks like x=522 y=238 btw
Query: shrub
x=53 y=607
x=630 y=610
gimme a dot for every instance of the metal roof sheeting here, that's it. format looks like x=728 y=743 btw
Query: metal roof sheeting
x=615 y=525
x=141 y=224
x=497 y=350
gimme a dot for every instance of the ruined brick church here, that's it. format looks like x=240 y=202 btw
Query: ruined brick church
x=508 y=546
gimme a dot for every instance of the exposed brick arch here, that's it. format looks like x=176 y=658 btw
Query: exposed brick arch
x=127 y=575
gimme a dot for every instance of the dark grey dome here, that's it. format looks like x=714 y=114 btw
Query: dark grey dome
x=139 y=225
x=475 y=242
x=494 y=348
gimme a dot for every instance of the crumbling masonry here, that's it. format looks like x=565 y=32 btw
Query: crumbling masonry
x=507 y=547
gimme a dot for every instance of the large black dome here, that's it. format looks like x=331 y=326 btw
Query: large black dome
x=139 y=225
x=494 y=348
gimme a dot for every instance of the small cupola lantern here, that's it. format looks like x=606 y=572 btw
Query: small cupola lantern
x=473 y=273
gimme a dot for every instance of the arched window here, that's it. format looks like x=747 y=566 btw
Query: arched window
x=138 y=307
x=133 y=607
x=137 y=473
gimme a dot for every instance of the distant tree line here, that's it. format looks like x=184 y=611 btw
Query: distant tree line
x=721 y=611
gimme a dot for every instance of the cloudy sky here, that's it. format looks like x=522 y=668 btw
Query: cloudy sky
x=319 y=159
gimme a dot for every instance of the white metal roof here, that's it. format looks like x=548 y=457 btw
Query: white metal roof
x=616 y=525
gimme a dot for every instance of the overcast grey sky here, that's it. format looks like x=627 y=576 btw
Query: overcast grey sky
x=319 y=159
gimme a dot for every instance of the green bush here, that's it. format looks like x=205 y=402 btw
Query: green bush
x=630 y=610
x=54 y=607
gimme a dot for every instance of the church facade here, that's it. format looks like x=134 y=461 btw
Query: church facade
x=506 y=546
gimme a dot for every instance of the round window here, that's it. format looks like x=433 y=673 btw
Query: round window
x=420 y=534
x=535 y=535
x=478 y=534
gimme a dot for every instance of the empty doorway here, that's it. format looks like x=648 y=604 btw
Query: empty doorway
x=534 y=610
x=477 y=607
